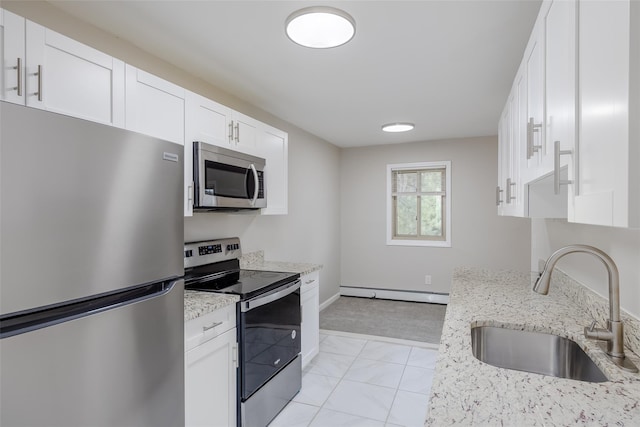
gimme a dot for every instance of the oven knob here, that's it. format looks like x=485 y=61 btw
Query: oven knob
x=293 y=334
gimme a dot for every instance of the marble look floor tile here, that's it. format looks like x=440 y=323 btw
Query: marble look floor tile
x=417 y=380
x=364 y=400
x=385 y=352
x=423 y=358
x=315 y=389
x=375 y=372
x=329 y=364
x=323 y=336
x=295 y=415
x=342 y=345
x=409 y=409
x=329 y=418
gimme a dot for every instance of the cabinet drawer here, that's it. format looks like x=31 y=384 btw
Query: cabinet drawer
x=310 y=281
x=209 y=326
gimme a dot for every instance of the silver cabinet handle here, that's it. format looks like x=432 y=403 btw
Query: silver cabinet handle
x=499 y=192
x=19 y=68
x=557 y=152
x=39 y=92
x=509 y=196
x=231 y=131
x=211 y=326
x=531 y=129
x=237 y=132
x=308 y=282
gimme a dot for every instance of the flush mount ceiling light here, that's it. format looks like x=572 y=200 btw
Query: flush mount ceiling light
x=398 y=127
x=320 y=27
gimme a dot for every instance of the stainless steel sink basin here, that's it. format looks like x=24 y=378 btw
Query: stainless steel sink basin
x=535 y=352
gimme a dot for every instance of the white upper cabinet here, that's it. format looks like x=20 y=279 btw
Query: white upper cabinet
x=582 y=140
x=560 y=101
x=244 y=133
x=60 y=74
x=606 y=191
x=534 y=149
x=154 y=106
x=274 y=147
x=12 y=31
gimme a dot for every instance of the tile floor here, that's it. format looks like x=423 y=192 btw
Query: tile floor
x=363 y=381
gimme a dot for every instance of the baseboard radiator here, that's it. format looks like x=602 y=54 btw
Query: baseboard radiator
x=414 y=296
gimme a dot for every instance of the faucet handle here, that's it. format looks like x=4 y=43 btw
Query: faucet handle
x=592 y=326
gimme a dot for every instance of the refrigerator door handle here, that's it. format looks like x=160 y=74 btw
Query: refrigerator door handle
x=42 y=317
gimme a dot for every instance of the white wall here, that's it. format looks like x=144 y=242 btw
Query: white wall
x=621 y=244
x=310 y=233
x=479 y=236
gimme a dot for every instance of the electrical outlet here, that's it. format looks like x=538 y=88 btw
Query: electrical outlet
x=427 y=279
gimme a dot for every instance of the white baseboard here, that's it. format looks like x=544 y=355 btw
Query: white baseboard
x=330 y=301
x=414 y=296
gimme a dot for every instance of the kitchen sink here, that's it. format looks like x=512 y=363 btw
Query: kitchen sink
x=535 y=352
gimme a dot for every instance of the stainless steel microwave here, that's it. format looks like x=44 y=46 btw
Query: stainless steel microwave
x=227 y=179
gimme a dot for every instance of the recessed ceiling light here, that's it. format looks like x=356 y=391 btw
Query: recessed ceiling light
x=398 y=127
x=320 y=27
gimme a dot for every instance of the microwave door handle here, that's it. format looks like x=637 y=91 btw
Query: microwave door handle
x=257 y=184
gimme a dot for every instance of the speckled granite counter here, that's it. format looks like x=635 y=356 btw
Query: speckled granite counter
x=255 y=261
x=197 y=304
x=466 y=391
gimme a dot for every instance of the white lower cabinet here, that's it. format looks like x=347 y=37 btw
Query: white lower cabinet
x=310 y=302
x=210 y=370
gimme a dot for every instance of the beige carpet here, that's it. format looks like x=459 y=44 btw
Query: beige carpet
x=415 y=321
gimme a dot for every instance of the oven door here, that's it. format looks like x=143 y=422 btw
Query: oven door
x=269 y=335
x=227 y=179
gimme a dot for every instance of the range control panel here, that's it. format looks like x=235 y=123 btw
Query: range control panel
x=207 y=252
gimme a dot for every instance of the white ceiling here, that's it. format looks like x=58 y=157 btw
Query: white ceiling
x=446 y=66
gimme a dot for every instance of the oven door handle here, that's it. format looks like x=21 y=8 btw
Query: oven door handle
x=269 y=297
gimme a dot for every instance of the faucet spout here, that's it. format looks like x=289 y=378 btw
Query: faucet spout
x=613 y=335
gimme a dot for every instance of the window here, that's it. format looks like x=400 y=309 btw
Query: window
x=419 y=204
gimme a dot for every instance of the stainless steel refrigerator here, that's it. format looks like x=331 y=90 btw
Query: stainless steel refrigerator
x=91 y=295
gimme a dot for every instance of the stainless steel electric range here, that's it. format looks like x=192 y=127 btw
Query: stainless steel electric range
x=268 y=318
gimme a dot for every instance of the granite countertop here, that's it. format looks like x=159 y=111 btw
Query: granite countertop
x=255 y=261
x=198 y=304
x=466 y=391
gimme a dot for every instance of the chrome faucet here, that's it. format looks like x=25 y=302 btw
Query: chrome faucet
x=613 y=335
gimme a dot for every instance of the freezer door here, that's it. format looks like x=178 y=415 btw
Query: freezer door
x=120 y=367
x=85 y=208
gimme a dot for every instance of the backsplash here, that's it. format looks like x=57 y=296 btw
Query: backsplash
x=251 y=258
x=597 y=307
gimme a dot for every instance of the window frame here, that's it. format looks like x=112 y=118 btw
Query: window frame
x=391 y=241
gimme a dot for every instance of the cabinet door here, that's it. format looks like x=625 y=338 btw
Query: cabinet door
x=534 y=144
x=310 y=327
x=68 y=77
x=245 y=133
x=274 y=147
x=210 y=382
x=605 y=154
x=12 y=34
x=560 y=81
x=154 y=106
x=207 y=121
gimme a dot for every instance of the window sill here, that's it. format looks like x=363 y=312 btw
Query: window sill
x=424 y=243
